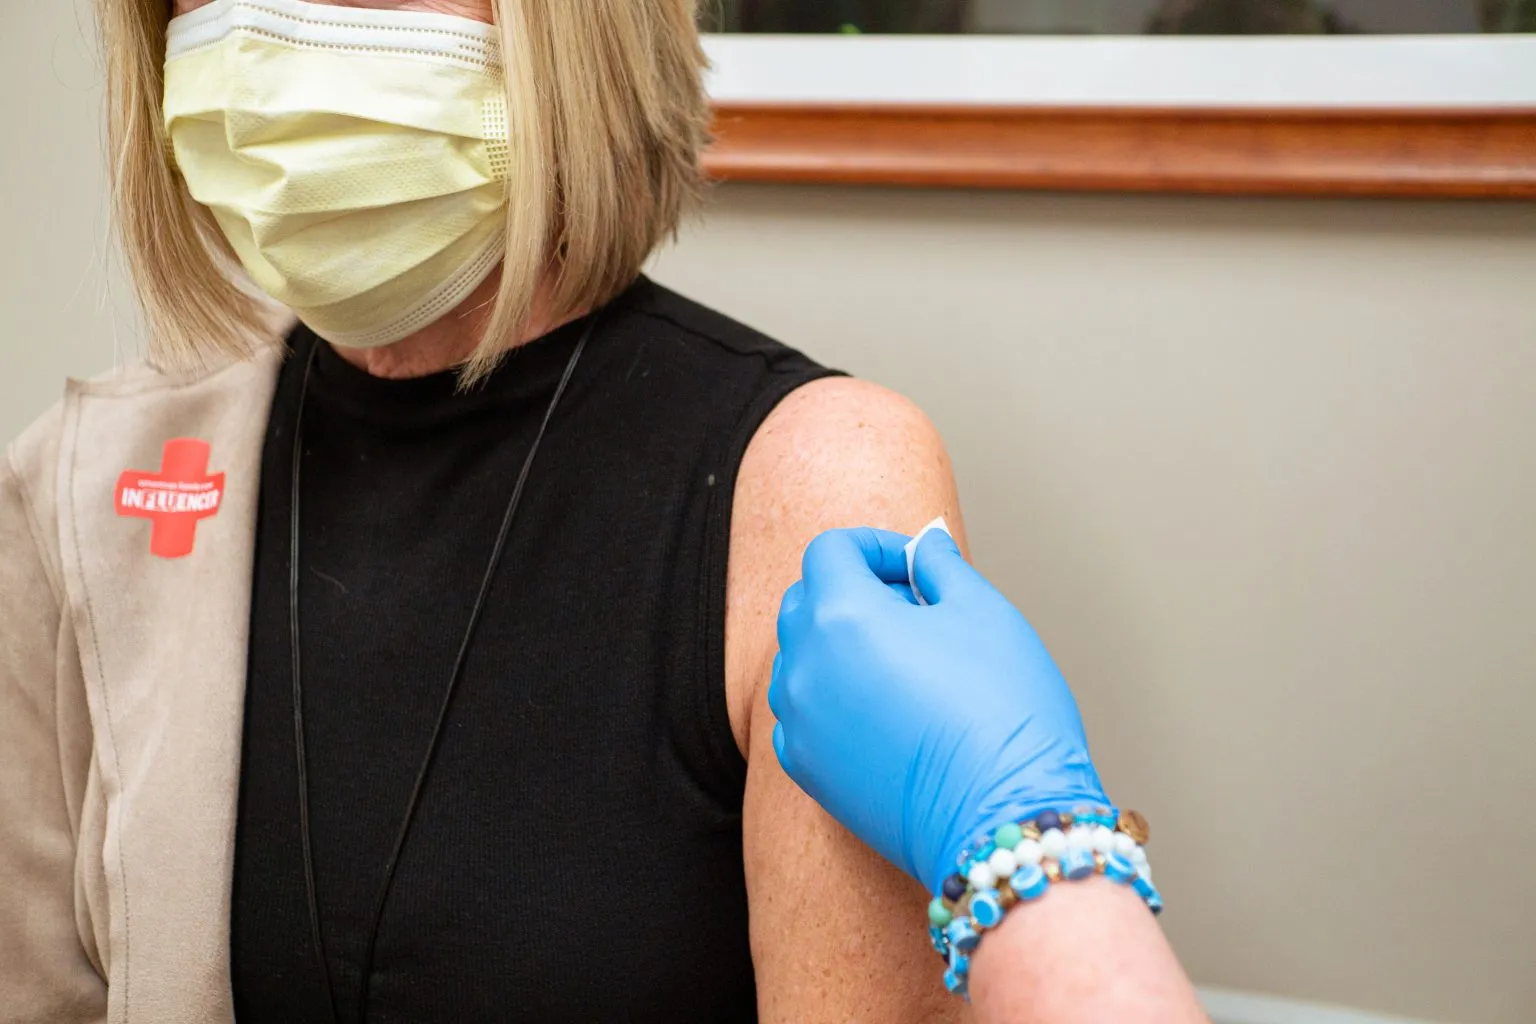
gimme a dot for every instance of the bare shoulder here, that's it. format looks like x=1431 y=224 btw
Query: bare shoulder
x=847 y=446
x=833 y=933
x=837 y=452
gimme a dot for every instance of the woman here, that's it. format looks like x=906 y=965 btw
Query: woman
x=416 y=669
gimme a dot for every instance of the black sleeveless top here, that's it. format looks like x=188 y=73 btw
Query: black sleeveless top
x=576 y=855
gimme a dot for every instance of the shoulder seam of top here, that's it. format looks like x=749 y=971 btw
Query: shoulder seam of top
x=712 y=339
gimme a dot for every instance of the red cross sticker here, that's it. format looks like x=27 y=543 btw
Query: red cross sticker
x=175 y=499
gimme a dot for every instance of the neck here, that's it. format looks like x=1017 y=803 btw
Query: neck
x=449 y=342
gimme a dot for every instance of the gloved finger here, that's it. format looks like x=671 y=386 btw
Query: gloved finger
x=793 y=598
x=940 y=569
x=856 y=555
x=902 y=591
x=776 y=696
x=793 y=595
x=778 y=747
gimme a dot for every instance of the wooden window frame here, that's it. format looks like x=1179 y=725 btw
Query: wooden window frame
x=1417 y=144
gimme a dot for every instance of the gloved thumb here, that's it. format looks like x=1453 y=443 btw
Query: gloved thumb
x=939 y=569
x=857 y=555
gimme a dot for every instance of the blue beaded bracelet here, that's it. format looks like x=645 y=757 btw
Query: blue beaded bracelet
x=1019 y=861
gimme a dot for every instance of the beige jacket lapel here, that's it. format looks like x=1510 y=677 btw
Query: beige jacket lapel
x=162 y=645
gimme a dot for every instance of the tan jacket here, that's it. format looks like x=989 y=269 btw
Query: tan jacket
x=122 y=680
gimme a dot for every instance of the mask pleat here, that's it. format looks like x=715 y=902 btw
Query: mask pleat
x=344 y=154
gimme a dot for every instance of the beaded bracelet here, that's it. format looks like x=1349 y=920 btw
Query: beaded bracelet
x=1018 y=863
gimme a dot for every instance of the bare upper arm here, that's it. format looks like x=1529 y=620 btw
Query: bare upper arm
x=837 y=933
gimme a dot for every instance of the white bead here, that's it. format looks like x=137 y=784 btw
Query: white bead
x=1028 y=851
x=1145 y=871
x=1080 y=839
x=1054 y=842
x=1139 y=858
x=981 y=876
x=1125 y=846
x=1003 y=863
x=1103 y=840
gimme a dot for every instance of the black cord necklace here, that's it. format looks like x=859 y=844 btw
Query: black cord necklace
x=453 y=678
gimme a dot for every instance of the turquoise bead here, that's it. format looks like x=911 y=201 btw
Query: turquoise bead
x=1149 y=895
x=1029 y=882
x=959 y=962
x=1118 y=868
x=1091 y=816
x=954 y=982
x=938 y=914
x=962 y=936
x=1008 y=836
x=986 y=908
x=1077 y=864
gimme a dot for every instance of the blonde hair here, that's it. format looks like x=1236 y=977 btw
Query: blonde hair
x=608 y=119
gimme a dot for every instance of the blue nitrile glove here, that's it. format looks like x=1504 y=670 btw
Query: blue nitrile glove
x=920 y=728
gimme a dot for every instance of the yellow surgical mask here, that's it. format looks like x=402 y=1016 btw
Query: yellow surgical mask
x=355 y=159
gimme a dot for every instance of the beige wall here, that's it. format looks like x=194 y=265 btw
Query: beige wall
x=1263 y=473
x=56 y=314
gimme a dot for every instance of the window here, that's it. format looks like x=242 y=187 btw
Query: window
x=1315 y=97
x=1122 y=17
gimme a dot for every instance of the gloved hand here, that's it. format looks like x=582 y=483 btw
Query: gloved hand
x=920 y=728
